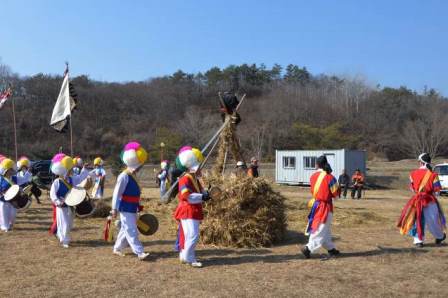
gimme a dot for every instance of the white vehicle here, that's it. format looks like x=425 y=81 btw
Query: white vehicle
x=442 y=170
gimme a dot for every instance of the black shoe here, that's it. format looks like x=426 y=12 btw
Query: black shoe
x=439 y=241
x=419 y=245
x=333 y=252
x=306 y=252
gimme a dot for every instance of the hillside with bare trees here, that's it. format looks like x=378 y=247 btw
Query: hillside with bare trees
x=285 y=108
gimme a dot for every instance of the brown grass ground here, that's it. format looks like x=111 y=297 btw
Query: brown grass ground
x=376 y=260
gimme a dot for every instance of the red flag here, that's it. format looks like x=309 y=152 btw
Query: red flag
x=4 y=95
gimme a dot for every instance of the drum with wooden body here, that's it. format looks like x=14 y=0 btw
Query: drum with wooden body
x=86 y=183
x=78 y=199
x=147 y=224
x=17 y=197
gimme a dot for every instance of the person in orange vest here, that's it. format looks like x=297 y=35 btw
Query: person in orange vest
x=423 y=209
x=324 y=188
x=358 y=183
x=253 y=168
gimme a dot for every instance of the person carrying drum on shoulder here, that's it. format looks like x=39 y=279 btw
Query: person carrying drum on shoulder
x=324 y=188
x=99 y=176
x=61 y=166
x=126 y=201
x=189 y=211
x=423 y=209
x=7 y=179
x=23 y=167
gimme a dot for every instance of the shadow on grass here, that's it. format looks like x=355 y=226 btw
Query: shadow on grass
x=92 y=243
x=382 y=251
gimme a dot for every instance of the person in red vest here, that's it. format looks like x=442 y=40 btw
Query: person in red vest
x=423 y=209
x=324 y=188
x=358 y=183
x=189 y=210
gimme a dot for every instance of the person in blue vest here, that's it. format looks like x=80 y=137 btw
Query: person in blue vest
x=7 y=179
x=126 y=201
x=61 y=166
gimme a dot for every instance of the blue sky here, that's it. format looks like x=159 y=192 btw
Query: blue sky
x=392 y=43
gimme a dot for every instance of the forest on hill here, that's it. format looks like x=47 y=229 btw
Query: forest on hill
x=286 y=108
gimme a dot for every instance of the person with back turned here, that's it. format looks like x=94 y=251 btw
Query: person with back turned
x=324 y=188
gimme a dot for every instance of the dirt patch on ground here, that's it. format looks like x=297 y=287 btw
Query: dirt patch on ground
x=376 y=260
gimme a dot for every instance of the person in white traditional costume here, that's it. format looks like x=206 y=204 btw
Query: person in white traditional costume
x=7 y=179
x=126 y=201
x=61 y=166
x=99 y=177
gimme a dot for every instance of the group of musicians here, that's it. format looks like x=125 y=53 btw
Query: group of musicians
x=422 y=211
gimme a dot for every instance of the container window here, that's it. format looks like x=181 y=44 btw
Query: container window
x=289 y=162
x=309 y=162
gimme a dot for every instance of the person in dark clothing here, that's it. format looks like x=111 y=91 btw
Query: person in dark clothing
x=228 y=104
x=253 y=168
x=344 y=181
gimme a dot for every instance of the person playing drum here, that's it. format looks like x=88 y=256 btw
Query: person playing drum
x=61 y=166
x=23 y=167
x=126 y=200
x=7 y=179
x=77 y=165
x=99 y=176
x=189 y=211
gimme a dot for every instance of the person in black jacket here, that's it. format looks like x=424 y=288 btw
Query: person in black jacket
x=344 y=181
x=228 y=104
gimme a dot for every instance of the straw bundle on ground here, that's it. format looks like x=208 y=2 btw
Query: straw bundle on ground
x=102 y=208
x=247 y=213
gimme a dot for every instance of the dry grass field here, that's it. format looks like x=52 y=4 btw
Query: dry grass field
x=376 y=260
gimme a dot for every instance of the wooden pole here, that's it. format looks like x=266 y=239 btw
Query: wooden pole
x=15 y=126
x=71 y=136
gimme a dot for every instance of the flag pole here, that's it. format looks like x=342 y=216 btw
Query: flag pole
x=14 y=125
x=71 y=136
x=70 y=120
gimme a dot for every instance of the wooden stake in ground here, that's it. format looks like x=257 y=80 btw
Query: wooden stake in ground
x=15 y=126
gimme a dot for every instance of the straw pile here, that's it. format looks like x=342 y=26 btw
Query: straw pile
x=247 y=213
x=102 y=208
x=227 y=140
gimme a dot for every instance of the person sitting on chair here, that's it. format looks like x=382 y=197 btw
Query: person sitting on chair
x=344 y=181
x=358 y=183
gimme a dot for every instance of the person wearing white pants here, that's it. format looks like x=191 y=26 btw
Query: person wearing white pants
x=431 y=215
x=61 y=166
x=423 y=210
x=322 y=236
x=189 y=210
x=126 y=201
x=7 y=179
x=324 y=188
x=190 y=228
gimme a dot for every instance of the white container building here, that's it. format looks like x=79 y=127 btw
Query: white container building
x=295 y=167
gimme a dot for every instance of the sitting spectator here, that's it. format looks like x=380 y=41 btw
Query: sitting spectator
x=358 y=183
x=344 y=182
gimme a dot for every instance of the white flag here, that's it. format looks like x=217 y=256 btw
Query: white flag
x=63 y=107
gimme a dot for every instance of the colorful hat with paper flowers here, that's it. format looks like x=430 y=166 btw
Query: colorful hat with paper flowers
x=23 y=162
x=164 y=164
x=98 y=161
x=134 y=155
x=189 y=158
x=61 y=164
x=5 y=165
x=77 y=161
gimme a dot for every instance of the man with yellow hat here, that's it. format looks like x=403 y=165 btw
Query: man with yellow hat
x=23 y=171
x=99 y=176
x=7 y=179
x=126 y=200
x=61 y=166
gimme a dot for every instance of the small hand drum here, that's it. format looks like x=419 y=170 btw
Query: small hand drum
x=147 y=224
